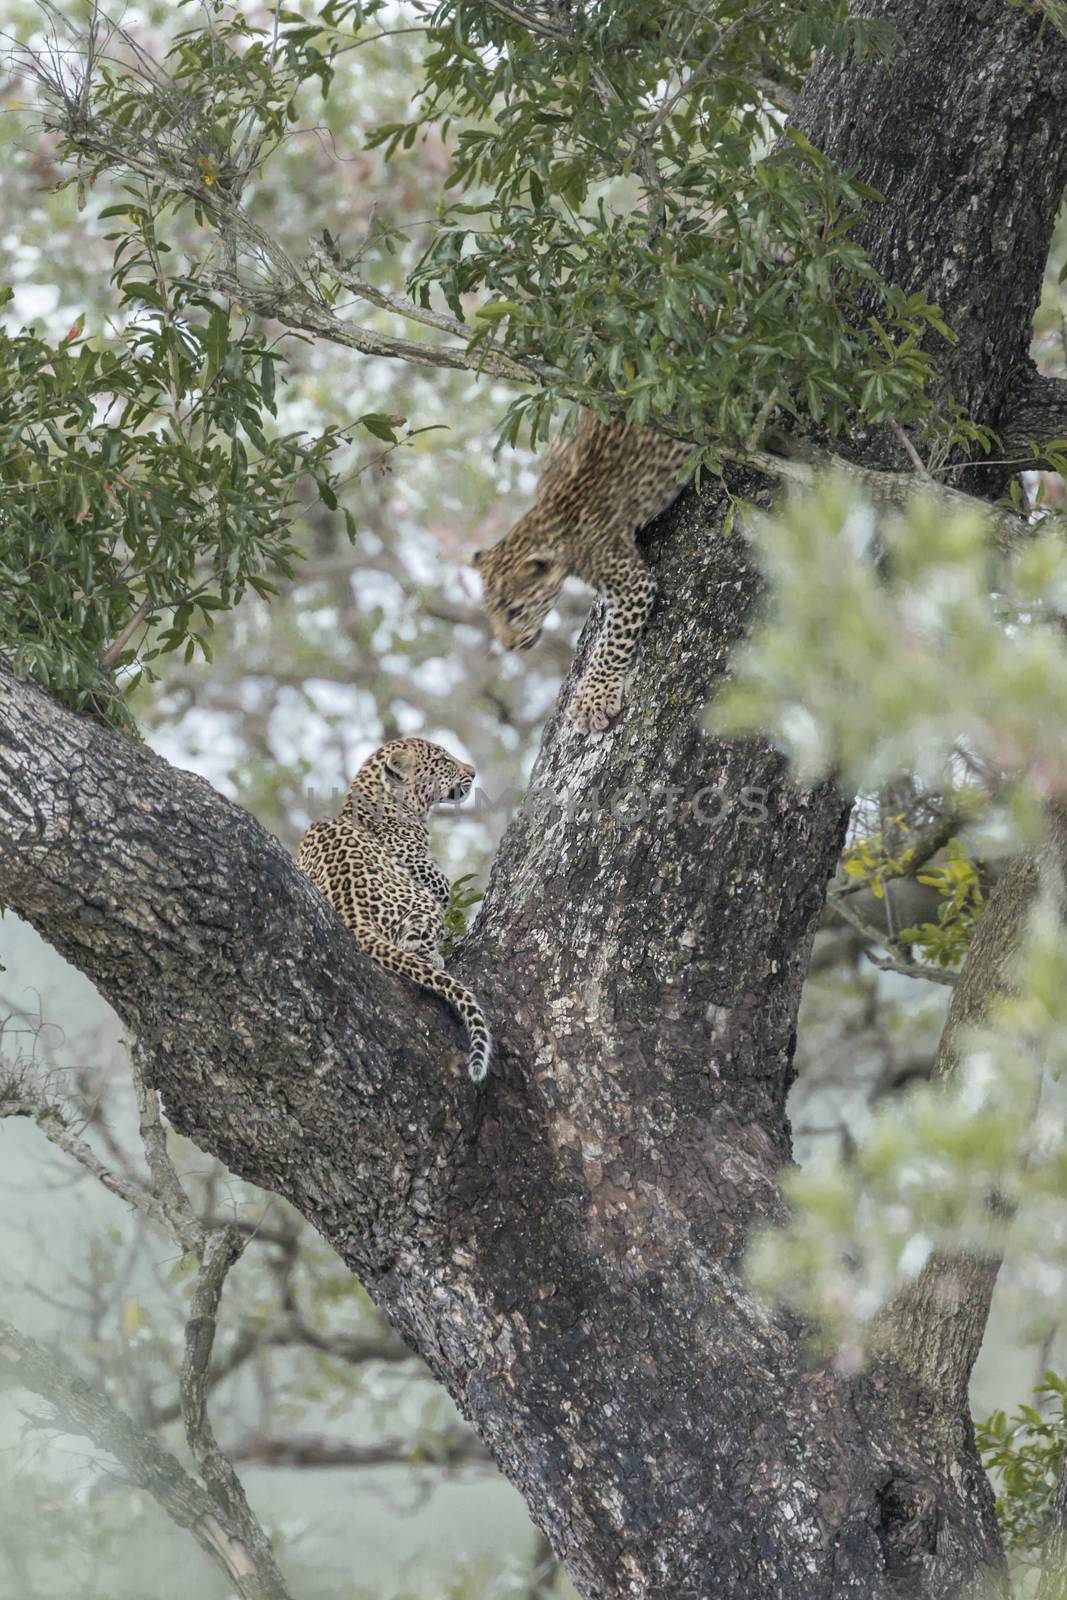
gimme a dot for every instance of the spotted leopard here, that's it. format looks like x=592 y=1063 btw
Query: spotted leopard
x=372 y=862
x=595 y=491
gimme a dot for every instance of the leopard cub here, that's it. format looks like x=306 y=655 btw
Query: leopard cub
x=595 y=491
x=372 y=862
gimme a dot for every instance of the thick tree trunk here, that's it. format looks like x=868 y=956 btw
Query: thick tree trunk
x=564 y=1248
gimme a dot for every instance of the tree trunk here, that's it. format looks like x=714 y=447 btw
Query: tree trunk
x=564 y=1247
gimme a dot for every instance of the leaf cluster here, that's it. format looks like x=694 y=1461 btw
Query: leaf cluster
x=143 y=486
x=622 y=201
x=868 y=861
x=463 y=895
x=919 y=1177
x=1023 y=1454
x=900 y=639
x=958 y=881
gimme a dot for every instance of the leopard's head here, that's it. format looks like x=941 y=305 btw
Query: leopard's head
x=421 y=774
x=521 y=580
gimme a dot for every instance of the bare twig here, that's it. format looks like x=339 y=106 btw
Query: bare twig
x=180 y=1219
x=228 y=1528
x=57 y=1130
x=459 y=1449
x=295 y=307
x=909 y=969
x=80 y=1408
x=909 y=449
x=122 y=639
x=221 y=1249
x=325 y=255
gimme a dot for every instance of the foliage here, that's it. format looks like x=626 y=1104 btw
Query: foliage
x=141 y=490
x=1023 y=1454
x=958 y=881
x=620 y=198
x=868 y=861
x=463 y=894
x=886 y=649
x=174 y=497
x=921 y=1178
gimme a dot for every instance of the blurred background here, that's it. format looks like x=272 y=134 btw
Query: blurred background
x=355 y=1460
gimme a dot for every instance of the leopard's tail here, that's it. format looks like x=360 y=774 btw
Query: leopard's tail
x=423 y=972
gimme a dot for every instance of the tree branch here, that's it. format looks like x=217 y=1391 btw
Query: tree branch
x=220 y=1250
x=934 y=1329
x=1037 y=414
x=75 y=861
x=893 y=488
x=81 y=1409
x=294 y=307
x=57 y=1130
x=454 y=1450
x=909 y=969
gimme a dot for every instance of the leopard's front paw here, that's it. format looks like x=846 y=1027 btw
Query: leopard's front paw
x=594 y=704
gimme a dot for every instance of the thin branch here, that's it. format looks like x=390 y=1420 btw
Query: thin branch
x=1009 y=531
x=180 y=1218
x=122 y=639
x=702 y=69
x=295 y=308
x=323 y=257
x=355 y=1350
x=84 y=1410
x=56 y=1129
x=910 y=451
x=232 y=1532
x=909 y=969
x=458 y=1449
x=535 y=25
x=221 y=1249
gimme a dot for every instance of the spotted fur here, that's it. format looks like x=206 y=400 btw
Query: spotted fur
x=373 y=864
x=595 y=491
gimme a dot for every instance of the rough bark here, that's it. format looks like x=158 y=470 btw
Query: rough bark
x=934 y=1330
x=564 y=1248
x=973 y=89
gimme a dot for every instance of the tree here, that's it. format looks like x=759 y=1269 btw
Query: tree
x=566 y=1252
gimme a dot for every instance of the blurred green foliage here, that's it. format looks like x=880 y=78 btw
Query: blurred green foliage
x=1023 y=1454
x=921 y=1178
x=895 y=640
x=958 y=882
x=140 y=492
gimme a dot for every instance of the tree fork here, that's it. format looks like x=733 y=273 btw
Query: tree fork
x=564 y=1249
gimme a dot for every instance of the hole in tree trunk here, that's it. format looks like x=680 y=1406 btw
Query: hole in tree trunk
x=908 y=1520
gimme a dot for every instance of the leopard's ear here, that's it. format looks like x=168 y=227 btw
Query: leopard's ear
x=400 y=763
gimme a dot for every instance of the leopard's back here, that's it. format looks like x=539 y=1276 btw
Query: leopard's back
x=363 y=881
x=372 y=864
x=606 y=476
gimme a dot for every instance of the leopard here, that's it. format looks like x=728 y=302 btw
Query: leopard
x=595 y=491
x=372 y=862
